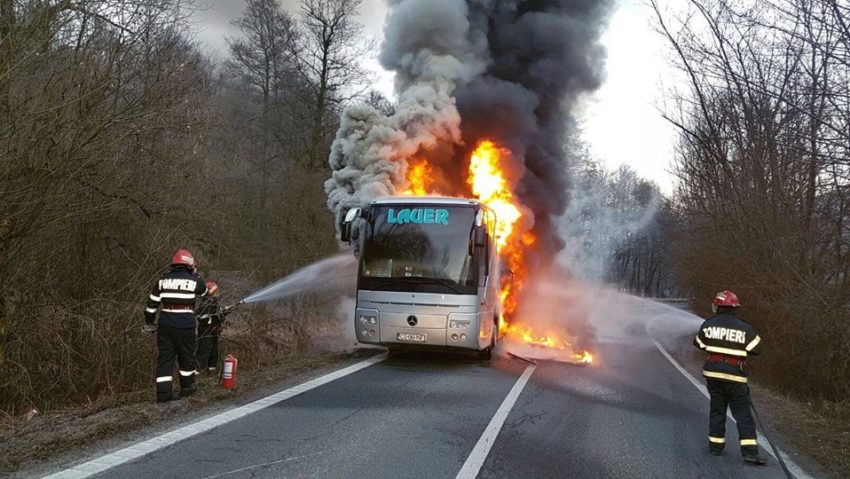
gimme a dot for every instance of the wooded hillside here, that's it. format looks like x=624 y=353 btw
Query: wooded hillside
x=120 y=142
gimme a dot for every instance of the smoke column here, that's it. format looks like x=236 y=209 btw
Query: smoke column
x=507 y=70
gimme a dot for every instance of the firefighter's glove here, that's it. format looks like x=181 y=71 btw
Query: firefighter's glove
x=149 y=328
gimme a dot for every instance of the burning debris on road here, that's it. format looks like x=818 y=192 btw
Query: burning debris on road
x=485 y=91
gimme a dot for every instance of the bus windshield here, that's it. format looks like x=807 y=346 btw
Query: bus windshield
x=418 y=248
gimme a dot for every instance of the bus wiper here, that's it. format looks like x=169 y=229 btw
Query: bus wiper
x=445 y=282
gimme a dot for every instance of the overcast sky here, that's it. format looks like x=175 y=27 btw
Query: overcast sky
x=621 y=121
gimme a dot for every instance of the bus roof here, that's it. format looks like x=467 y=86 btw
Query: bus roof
x=426 y=200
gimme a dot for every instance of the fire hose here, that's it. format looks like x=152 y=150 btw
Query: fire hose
x=223 y=314
x=772 y=446
x=228 y=309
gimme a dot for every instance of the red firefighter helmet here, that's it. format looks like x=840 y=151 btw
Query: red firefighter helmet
x=726 y=299
x=183 y=257
x=212 y=288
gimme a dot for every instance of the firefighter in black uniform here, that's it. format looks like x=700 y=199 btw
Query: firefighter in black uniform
x=210 y=321
x=729 y=340
x=175 y=296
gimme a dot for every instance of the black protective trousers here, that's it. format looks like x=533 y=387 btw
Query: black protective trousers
x=208 y=350
x=179 y=343
x=735 y=396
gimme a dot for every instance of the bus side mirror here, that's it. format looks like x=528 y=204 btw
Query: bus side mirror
x=345 y=227
x=479 y=237
x=345 y=232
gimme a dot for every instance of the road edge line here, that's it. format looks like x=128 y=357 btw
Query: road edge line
x=475 y=460
x=147 y=446
x=796 y=470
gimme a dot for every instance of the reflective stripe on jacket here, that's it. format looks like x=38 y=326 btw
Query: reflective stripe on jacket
x=729 y=336
x=175 y=295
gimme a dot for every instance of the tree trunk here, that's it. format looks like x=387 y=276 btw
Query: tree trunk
x=319 y=118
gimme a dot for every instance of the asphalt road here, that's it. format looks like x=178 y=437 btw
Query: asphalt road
x=630 y=415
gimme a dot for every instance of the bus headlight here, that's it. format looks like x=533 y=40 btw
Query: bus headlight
x=368 y=320
x=459 y=323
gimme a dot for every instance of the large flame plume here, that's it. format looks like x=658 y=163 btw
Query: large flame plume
x=487 y=183
x=490 y=187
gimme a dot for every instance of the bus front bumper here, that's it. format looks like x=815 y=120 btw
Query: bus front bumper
x=417 y=337
x=409 y=328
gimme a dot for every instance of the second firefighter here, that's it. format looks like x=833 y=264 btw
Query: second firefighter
x=210 y=322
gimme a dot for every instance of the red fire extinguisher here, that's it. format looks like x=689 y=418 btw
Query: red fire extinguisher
x=228 y=372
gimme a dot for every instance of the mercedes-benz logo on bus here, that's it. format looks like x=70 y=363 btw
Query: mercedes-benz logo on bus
x=411 y=320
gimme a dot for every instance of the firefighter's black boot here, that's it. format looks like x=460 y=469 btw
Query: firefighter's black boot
x=755 y=459
x=715 y=450
x=750 y=452
x=188 y=390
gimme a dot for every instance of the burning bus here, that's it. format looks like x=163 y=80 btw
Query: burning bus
x=429 y=273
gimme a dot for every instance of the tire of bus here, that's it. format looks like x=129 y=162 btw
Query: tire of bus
x=487 y=353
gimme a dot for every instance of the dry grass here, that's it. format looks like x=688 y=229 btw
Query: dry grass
x=819 y=430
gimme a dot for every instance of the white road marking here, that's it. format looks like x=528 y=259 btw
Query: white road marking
x=482 y=448
x=146 y=447
x=795 y=470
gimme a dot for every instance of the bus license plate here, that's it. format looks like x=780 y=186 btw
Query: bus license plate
x=416 y=338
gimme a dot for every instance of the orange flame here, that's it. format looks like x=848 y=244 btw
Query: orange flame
x=584 y=357
x=490 y=187
x=419 y=178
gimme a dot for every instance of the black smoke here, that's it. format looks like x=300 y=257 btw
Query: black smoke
x=544 y=55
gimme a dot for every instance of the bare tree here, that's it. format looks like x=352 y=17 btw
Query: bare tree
x=100 y=140
x=379 y=102
x=329 y=56
x=763 y=168
x=262 y=55
x=262 y=59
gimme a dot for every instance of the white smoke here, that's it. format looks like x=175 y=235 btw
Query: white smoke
x=426 y=44
x=603 y=212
